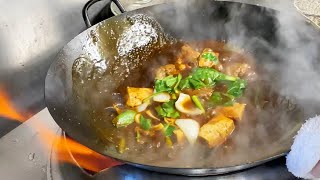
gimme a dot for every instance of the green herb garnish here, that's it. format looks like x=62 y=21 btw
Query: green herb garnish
x=167 y=84
x=168 y=130
x=218 y=99
x=199 y=78
x=224 y=77
x=204 y=77
x=237 y=87
x=145 y=123
x=167 y=109
x=210 y=57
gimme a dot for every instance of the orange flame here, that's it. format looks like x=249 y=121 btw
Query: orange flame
x=85 y=157
x=7 y=110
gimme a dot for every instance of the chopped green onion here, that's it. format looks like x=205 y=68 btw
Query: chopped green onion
x=166 y=84
x=175 y=88
x=168 y=130
x=167 y=109
x=197 y=102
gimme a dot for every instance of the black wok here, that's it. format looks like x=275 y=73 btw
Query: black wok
x=197 y=20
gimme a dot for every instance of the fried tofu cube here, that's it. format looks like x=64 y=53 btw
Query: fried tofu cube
x=163 y=71
x=137 y=95
x=234 y=112
x=217 y=130
x=238 y=69
x=188 y=51
x=205 y=63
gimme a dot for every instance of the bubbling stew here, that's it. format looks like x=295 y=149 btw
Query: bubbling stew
x=194 y=97
x=202 y=95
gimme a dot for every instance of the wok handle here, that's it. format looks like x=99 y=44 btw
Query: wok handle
x=90 y=3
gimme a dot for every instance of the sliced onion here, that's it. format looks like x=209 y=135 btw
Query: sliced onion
x=142 y=107
x=162 y=97
x=150 y=114
x=181 y=105
x=190 y=129
x=137 y=118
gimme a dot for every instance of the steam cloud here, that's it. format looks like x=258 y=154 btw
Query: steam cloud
x=289 y=52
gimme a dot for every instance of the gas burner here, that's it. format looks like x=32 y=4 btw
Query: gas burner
x=73 y=160
x=57 y=170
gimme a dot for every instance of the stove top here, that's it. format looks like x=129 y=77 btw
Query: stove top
x=22 y=150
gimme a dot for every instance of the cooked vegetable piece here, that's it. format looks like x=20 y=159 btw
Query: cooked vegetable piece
x=188 y=51
x=234 y=112
x=170 y=121
x=218 y=98
x=122 y=145
x=167 y=109
x=142 y=107
x=169 y=142
x=197 y=102
x=166 y=84
x=190 y=129
x=208 y=58
x=185 y=105
x=137 y=95
x=117 y=108
x=203 y=92
x=199 y=78
x=144 y=132
x=225 y=77
x=125 y=118
x=217 y=130
x=173 y=96
x=148 y=99
x=168 y=130
x=158 y=127
x=151 y=115
x=179 y=135
x=137 y=118
x=163 y=71
x=162 y=97
x=204 y=77
x=138 y=136
x=175 y=88
x=145 y=123
x=236 y=88
x=237 y=69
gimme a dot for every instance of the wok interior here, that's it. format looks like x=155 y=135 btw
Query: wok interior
x=80 y=107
